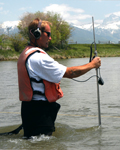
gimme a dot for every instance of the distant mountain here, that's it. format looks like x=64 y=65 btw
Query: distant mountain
x=112 y=19
x=108 y=30
x=84 y=36
x=9 y=26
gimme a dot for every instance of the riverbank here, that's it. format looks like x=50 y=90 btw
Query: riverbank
x=72 y=51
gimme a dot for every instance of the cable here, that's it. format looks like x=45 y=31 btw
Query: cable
x=100 y=80
x=84 y=80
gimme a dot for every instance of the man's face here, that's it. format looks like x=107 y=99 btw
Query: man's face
x=45 y=38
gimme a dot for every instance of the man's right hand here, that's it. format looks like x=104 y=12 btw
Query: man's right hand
x=96 y=62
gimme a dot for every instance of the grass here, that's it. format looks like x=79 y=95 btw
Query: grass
x=8 y=55
x=83 y=50
x=72 y=51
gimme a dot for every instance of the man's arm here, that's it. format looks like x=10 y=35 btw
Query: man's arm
x=76 y=71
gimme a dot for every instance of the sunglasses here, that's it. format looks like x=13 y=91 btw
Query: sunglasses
x=48 y=33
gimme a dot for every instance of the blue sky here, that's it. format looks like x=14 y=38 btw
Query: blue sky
x=77 y=11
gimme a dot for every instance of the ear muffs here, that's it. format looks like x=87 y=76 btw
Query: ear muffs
x=37 y=33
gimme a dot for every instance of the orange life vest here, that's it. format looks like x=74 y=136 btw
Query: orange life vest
x=52 y=90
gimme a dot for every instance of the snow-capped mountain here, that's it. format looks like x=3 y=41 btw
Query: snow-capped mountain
x=108 y=30
x=111 y=22
x=111 y=19
x=10 y=26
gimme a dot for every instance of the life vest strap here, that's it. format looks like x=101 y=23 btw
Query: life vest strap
x=34 y=80
x=38 y=92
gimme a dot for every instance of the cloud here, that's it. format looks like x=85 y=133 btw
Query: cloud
x=24 y=8
x=2 y=11
x=115 y=13
x=1 y=3
x=1 y=8
x=69 y=14
x=98 y=21
x=118 y=5
x=62 y=8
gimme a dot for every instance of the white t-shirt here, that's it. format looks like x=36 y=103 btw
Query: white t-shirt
x=42 y=66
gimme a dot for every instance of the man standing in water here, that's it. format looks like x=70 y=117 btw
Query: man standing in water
x=39 y=79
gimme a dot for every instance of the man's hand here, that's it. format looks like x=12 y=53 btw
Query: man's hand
x=76 y=71
x=96 y=62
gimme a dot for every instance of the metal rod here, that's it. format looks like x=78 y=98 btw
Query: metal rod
x=98 y=93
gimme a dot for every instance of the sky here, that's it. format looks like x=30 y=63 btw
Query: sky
x=73 y=11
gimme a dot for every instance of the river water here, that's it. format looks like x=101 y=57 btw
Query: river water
x=77 y=122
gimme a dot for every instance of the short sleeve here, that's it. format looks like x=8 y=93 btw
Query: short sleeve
x=44 y=67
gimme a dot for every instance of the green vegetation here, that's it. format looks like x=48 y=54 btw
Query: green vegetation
x=11 y=46
x=17 y=42
x=60 y=29
x=83 y=50
x=71 y=51
x=8 y=55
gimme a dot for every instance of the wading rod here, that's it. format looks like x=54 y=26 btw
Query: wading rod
x=98 y=93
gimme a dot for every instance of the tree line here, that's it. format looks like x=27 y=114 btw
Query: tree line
x=60 y=30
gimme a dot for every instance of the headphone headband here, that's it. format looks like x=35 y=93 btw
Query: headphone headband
x=37 y=32
x=39 y=24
